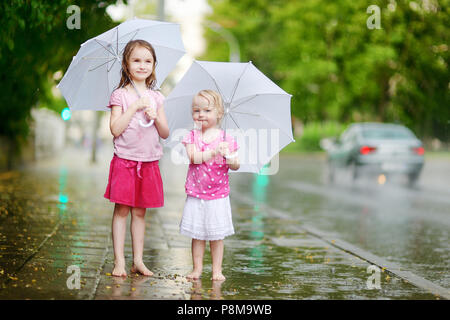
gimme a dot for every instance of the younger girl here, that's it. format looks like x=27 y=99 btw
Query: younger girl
x=134 y=182
x=207 y=211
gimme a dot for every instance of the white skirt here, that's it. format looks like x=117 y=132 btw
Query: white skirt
x=207 y=219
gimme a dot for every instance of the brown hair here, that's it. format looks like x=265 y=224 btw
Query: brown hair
x=150 y=82
x=214 y=99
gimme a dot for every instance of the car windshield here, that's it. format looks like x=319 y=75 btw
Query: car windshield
x=387 y=133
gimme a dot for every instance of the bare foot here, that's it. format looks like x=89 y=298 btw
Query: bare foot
x=194 y=275
x=218 y=277
x=119 y=270
x=141 y=268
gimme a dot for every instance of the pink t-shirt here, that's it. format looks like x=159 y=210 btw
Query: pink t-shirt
x=136 y=142
x=208 y=180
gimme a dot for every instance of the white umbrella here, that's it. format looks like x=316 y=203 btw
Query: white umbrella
x=95 y=71
x=257 y=111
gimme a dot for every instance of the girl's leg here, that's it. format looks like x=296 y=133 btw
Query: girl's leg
x=217 y=257
x=198 y=250
x=137 y=239
x=119 y=225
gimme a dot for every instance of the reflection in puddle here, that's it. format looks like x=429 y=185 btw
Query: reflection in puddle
x=198 y=293
x=259 y=193
x=63 y=198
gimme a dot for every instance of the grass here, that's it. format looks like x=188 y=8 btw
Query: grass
x=437 y=154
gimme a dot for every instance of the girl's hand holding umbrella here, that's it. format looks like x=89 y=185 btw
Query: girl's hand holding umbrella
x=141 y=103
x=151 y=113
x=223 y=149
x=231 y=159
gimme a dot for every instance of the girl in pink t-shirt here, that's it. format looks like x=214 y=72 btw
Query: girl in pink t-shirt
x=135 y=182
x=207 y=211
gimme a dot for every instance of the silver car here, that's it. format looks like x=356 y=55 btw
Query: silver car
x=376 y=148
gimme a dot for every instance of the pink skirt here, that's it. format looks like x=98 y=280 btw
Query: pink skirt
x=134 y=183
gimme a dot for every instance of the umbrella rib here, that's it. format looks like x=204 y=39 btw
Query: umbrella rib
x=117 y=42
x=102 y=64
x=256 y=95
x=251 y=114
x=277 y=126
x=105 y=47
x=237 y=82
x=134 y=35
x=268 y=119
x=86 y=58
x=225 y=127
x=109 y=69
x=253 y=97
x=217 y=86
x=237 y=125
x=235 y=122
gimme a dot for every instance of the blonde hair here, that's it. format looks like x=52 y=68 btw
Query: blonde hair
x=214 y=99
x=150 y=82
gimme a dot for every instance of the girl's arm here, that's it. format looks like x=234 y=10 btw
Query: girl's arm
x=198 y=157
x=161 y=123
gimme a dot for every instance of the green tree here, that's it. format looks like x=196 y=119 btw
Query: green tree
x=35 y=43
x=337 y=68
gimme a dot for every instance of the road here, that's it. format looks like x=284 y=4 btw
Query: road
x=408 y=226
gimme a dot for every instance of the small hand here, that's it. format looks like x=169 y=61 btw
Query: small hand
x=142 y=103
x=151 y=113
x=224 y=149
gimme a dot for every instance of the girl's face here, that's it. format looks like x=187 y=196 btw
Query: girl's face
x=204 y=113
x=140 y=64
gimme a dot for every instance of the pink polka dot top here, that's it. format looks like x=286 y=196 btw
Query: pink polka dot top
x=208 y=180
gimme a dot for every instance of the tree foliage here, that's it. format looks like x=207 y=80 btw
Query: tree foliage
x=337 y=68
x=35 y=43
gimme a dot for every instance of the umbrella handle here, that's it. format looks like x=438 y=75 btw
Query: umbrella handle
x=145 y=125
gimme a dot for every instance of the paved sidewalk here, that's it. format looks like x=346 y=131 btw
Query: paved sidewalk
x=53 y=216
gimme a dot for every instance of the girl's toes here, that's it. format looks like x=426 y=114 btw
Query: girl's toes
x=193 y=275
x=142 y=269
x=218 y=277
x=119 y=272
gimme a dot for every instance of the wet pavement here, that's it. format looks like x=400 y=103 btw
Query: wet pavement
x=54 y=222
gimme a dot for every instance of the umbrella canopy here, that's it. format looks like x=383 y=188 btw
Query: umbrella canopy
x=95 y=71
x=257 y=111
